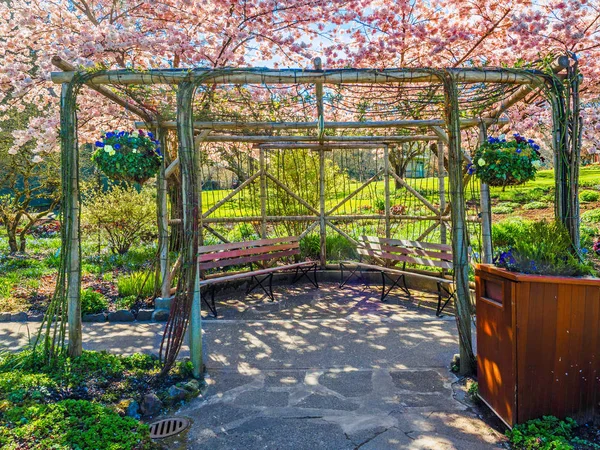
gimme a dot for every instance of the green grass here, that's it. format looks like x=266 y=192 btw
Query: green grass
x=246 y=203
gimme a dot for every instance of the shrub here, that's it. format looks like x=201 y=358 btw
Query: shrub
x=379 y=204
x=245 y=232
x=589 y=196
x=543 y=248
x=299 y=171
x=92 y=302
x=126 y=302
x=513 y=205
x=502 y=209
x=124 y=215
x=591 y=216
x=535 y=205
x=338 y=247
x=506 y=232
x=587 y=234
x=72 y=424
x=138 y=284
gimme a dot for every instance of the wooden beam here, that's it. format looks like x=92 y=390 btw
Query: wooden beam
x=266 y=139
x=69 y=68
x=561 y=63
x=464 y=123
x=326 y=146
x=301 y=76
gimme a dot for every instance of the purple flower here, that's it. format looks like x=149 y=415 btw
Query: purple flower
x=117 y=146
x=150 y=135
x=99 y=144
x=110 y=134
x=506 y=259
x=519 y=150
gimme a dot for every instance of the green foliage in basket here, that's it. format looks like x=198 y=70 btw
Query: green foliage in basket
x=128 y=156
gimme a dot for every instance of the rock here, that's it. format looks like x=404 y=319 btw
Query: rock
x=163 y=303
x=4 y=317
x=144 y=315
x=192 y=386
x=122 y=315
x=100 y=317
x=160 y=315
x=133 y=409
x=35 y=317
x=455 y=364
x=151 y=405
x=177 y=394
x=18 y=317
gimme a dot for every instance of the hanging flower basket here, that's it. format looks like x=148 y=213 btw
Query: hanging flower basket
x=499 y=162
x=128 y=156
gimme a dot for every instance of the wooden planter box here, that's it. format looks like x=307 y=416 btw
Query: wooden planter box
x=538 y=345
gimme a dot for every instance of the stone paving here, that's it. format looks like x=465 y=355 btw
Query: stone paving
x=316 y=369
x=332 y=369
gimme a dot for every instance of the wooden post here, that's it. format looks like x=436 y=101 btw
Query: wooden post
x=163 y=218
x=321 y=121
x=459 y=231
x=191 y=213
x=263 y=194
x=72 y=246
x=442 y=189
x=486 y=212
x=386 y=185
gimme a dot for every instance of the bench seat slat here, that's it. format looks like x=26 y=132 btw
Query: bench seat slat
x=402 y=258
x=408 y=243
x=244 y=252
x=248 y=259
x=247 y=244
x=241 y=275
x=411 y=251
x=397 y=271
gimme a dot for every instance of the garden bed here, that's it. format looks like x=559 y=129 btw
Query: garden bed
x=94 y=401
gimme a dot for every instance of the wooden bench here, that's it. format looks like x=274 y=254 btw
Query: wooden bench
x=260 y=256
x=387 y=253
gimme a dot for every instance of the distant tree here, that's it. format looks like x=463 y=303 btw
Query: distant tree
x=29 y=183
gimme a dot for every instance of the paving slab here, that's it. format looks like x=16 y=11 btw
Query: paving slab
x=316 y=369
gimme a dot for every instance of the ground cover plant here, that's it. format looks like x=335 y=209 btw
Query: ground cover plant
x=90 y=402
x=550 y=433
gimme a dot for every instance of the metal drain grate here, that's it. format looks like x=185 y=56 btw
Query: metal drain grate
x=168 y=427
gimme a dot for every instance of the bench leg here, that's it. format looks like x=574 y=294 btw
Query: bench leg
x=259 y=282
x=211 y=306
x=304 y=272
x=398 y=282
x=449 y=296
x=343 y=281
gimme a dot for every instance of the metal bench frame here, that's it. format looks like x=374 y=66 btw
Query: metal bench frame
x=444 y=291
x=252 y=252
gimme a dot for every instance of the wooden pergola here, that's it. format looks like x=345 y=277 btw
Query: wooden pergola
x=558 y=84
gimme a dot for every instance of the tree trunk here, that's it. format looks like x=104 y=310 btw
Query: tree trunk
x=12 y=240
